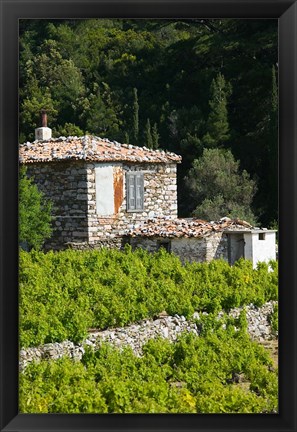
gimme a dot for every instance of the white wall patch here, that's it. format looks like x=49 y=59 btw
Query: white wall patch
x=104 y=189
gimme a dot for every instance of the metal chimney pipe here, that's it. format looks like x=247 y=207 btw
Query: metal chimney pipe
x=43 y=118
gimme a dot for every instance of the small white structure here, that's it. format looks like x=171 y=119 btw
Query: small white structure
x=256 y=245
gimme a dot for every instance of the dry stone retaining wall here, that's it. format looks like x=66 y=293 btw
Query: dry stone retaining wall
x=136 y=335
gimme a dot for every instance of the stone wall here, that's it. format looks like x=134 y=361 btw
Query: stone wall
x=216 y=246
x=137 y=334
x=65 y=184
x=110 y=243
x=160 y=199
x=191 y=249
x=148 y=243
x=71 y=186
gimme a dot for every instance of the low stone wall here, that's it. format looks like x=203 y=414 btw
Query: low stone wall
x=109 y=243
x=147 y=243
x=190 y=249
x=136 y=335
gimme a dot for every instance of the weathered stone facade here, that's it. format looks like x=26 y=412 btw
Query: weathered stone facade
x=65 y=184
x=71 y=186
x=160 y=198
x=190 y=249
x=217 y=246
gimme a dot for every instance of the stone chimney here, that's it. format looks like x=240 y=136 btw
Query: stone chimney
x=43 y=133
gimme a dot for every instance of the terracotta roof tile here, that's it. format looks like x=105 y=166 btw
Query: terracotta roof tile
x=90 y=148
x=168 y=227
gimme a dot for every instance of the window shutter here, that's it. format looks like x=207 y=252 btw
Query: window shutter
x=131 y=191
x=135 y=188
x=139 y=191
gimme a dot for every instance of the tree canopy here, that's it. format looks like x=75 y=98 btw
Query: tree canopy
x=218 y=188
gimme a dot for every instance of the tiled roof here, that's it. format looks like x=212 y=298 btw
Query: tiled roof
x=90 y=148
x=167 y=227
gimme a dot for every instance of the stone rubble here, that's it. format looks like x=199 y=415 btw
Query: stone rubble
x=136 y=335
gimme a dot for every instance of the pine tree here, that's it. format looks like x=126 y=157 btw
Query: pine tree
x=135 y=132
x=217 y=123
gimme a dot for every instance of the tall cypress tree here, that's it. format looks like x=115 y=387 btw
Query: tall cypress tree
x=135 y=132
x=126 y=138
x=148 y=135
x=155 y=136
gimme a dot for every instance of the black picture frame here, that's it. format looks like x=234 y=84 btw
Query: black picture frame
x=286 y=12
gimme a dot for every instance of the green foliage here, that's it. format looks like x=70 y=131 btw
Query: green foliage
x=68 y=129
x=34 y=214
x=63 y=294
x=193 y=375
x=217 y=122
x=218 y=188
x=31 y=107
x=101 y=112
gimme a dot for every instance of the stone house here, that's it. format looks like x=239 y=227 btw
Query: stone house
x=99 y=188
x=108 y=194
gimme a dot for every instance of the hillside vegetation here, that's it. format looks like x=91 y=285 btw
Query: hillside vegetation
x=221 y=371
x=63 y=294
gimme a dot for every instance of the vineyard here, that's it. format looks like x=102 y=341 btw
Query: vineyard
x=64 y=294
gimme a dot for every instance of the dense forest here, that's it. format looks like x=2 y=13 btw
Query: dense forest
x=205 y=89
